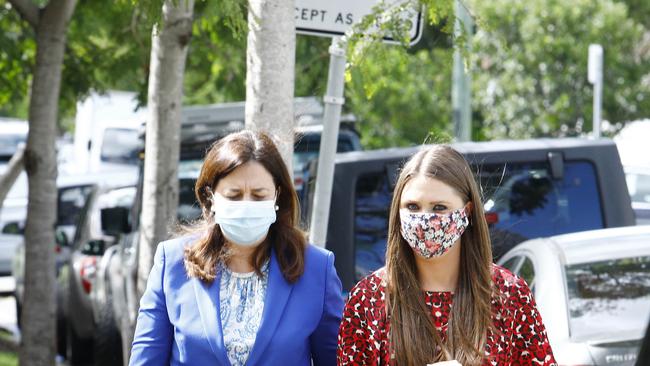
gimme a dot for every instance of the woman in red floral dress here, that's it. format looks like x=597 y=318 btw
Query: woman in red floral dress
x=439 y=297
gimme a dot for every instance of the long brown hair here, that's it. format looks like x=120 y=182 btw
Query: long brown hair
x=414 y=339
x=284 y=236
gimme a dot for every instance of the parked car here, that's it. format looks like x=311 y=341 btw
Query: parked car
x=531 y=188
x=593 y=291
x=86 y=337
x=74 y=193
x=71 y=200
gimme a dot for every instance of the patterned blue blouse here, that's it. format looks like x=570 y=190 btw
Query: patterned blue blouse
x=242 y=302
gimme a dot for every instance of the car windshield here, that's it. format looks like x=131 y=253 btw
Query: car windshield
x=307 y=146
x=639 y=186
x=121 y=145
x=9 y=144
x=188 y=207
x=608 y=295
x=71 y=202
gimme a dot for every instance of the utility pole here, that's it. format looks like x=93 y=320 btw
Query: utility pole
x=595 y=76
x=460 y=90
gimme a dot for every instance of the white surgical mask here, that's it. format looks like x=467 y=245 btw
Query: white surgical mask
x=243 y=222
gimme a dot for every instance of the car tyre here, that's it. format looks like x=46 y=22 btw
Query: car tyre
x=108 y=342
x=79 y=350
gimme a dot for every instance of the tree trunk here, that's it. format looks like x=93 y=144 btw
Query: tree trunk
x=39 y=313
x=162 y=144
x=9 y=177
x=270 y=64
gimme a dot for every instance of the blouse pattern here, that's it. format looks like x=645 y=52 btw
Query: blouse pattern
x=241 y=305
x=520 y=338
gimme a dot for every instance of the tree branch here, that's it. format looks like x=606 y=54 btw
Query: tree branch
x=7 y=180
x=27 y=10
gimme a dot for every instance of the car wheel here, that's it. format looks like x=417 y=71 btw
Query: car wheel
x=79 y=350
x=108 y=342
x=61 y=336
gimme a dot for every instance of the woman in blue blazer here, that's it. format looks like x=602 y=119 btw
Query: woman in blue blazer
x=244 y=287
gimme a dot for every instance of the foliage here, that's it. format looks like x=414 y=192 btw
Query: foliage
x=528 y=63
x=530 y=68
x=17 y=52
x=401 y=95
x=404 y=99
x=107 y=47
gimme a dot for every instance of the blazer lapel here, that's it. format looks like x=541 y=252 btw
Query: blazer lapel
x=207 y=298
x=277 y=294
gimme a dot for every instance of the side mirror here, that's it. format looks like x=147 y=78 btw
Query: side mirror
x=61 y=238
x=116 y=220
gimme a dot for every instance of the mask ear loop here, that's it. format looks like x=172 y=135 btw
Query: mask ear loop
x=469 y=207
x=277 y=195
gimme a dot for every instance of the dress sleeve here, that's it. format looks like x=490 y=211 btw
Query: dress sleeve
x=323 y=339
x=359 y=339
x=152 y=341
x=531 y=346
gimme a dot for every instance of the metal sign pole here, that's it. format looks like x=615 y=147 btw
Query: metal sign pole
x=331 y=119
x=461 y=79
x=595 y=76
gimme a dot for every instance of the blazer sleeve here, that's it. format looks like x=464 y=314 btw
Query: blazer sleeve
x=152 y=341
x=323 y=339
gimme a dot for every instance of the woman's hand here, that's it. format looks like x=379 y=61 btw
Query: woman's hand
x=446 y=363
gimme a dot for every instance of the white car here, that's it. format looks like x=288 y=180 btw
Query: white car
x=593 y=291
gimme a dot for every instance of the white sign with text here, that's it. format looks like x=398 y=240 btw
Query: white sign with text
x=333 y=18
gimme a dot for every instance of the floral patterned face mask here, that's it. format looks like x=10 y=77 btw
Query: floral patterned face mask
x=431 y=234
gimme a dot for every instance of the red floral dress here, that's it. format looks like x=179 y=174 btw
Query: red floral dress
x=363 y=335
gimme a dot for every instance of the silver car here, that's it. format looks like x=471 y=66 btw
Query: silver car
x=593 y=291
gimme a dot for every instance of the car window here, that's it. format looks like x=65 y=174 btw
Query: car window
x=523 y=201
x=608 y=295
x=9 y=144
x=527 y=272
x=188 y=206
x=121 y=145
x=71 y=201
x=372 y=201
x=639 y=186
x=307 y=146
x=512 y=264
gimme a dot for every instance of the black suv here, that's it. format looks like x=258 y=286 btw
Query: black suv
x=531 y=188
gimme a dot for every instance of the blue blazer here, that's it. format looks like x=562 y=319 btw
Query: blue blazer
x=179 y=318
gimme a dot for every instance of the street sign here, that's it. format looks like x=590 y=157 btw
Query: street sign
x=331 y=18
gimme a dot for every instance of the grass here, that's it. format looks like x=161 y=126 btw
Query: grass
x=8 y=354
x=8 y=359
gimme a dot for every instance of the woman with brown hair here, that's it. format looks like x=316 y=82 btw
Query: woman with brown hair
x=245 y=287
x=439 y=298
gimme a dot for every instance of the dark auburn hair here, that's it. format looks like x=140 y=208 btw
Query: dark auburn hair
x=285 y=237
x=414 y=339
